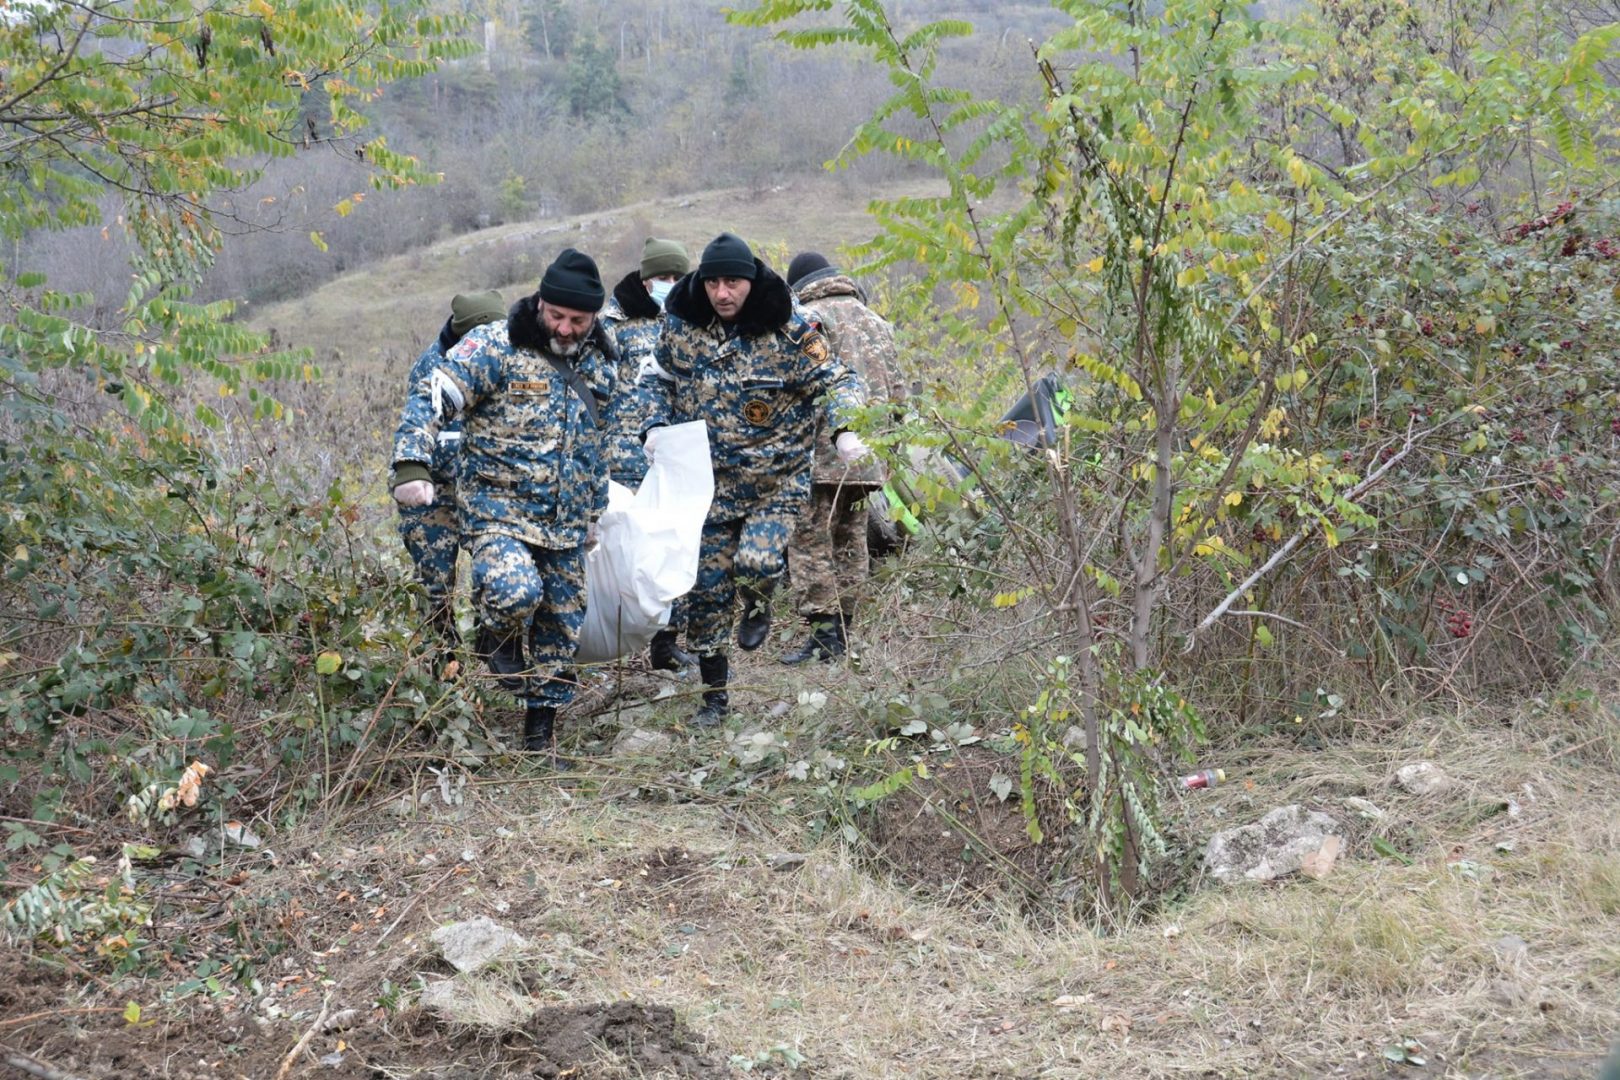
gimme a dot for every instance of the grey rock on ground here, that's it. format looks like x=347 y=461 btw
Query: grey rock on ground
x=477 y=943
x=1422 y=778
x=634 y=740
x=1270 y=848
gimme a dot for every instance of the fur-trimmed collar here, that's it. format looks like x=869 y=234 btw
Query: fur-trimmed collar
x=768 y=308
x=634 y=299
x=525 y=330
x=826 y=282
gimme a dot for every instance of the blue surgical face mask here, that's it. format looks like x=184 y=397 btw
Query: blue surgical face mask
x=659 y=291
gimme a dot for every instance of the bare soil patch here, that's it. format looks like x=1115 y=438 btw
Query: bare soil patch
x=952 y=835
x=608 y=1040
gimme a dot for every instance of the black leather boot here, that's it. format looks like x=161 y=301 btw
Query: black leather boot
x=539 y=728
x=826 y=641
x=716 y=671
x=664 y=655
x=504 y=657
x=756 y=617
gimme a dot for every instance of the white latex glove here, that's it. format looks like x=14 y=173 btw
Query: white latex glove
x=851 y=448
x=650 y=443
x=414 y=493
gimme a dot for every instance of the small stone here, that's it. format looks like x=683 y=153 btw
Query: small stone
x=1365 y=807
x=342 y=1020
x=634 y=740
x=1506 y=993
x=242 y=836
x=1422 y=778
x=1272 y=847
x=196 y=847
x=784 y=860
x=1511 y=947
x=477 y=943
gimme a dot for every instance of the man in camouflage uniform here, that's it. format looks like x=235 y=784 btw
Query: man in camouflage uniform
x=736 y=354
x=431 y=533
x=533 y=481
x=828 y=555
x=633 y=315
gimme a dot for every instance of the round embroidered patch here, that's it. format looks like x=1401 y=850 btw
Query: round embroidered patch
x=757 y=412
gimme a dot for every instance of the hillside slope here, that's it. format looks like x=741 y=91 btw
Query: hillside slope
x=389 y=309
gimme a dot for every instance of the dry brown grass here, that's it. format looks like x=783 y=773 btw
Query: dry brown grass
x=677 y=905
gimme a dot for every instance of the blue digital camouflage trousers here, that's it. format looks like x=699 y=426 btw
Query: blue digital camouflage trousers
x=432 y=536
x=517 y=585
x=752 y=551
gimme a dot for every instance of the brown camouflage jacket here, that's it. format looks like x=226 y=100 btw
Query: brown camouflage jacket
x=864 y=341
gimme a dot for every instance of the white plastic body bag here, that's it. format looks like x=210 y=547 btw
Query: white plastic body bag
x=646 y=553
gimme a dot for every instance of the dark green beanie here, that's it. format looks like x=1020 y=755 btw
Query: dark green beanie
x=727 y=256
x=468 y=310
x=660 y=257
x=571 y=281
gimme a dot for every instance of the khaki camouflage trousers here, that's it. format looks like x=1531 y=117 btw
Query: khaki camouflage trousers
x=828 y=556
x=748 y=552
x=517 y=585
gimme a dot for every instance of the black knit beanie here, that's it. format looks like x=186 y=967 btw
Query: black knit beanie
x=727 y=256
x=571 y=281
x=803 y=265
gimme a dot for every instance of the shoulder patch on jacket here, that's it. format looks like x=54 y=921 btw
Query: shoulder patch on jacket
x=805 y=332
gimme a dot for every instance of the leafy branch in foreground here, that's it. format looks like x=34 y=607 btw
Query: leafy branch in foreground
x=153 y=109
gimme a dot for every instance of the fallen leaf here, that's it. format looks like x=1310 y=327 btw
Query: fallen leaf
x=1071 y=1001
x=1117 y=1023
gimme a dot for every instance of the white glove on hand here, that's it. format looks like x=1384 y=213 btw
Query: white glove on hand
x=650 y=442
x=851 y=448
x=414 y=493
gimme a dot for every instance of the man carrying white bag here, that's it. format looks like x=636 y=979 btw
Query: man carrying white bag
x=646 y=554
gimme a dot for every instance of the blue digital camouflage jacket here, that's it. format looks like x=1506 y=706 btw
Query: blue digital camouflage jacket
x=442 y=468
x=633 y=318
x=761 y=383
x=532 y=464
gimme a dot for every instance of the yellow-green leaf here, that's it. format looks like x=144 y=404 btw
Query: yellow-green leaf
x=132 y=1013
x=328 y=662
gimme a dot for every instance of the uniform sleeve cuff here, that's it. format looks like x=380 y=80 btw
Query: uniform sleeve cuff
x=406 y=471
